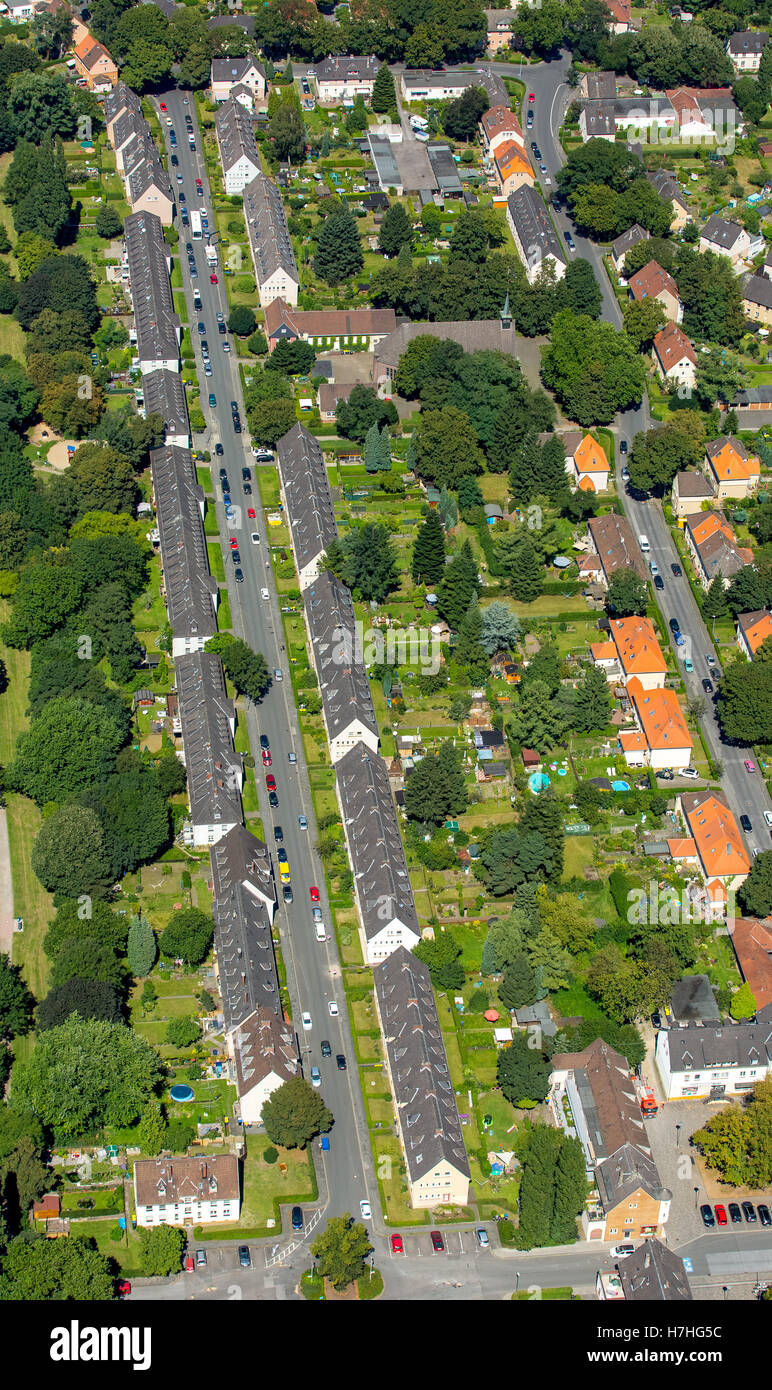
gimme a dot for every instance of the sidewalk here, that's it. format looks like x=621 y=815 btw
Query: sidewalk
x=6 y=888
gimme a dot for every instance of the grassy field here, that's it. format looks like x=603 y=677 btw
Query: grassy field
x=30 y=900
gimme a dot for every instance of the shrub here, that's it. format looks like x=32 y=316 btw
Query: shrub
x=270 y=1154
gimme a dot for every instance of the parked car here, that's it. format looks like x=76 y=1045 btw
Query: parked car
x=659 y=582
x=735 y=1215
x=720 y=1215
x=218 y=448
x=239 y=576
x=397 y=1245
x=749 y=1212
x=316 y=1076
x=234 y=545
x=707 y=686
x=333 y=1008
x=124 y=1288
x=706 y=1212
x=200 y=1259
x=245 y=1259
x=764 y=1216
x=677 y=571
x=749 y=766
x=623 y=446
x=188 y=1264
x=286 y=891
x=483 y=1239
x=745 y=822
x=365 y=1209
x=674 y=625
x=297 y=1218
x=438 y=1244
x=278 y=834
x=620 y=1252
x=314 y=891
x=340 y=1061
x=270 y=782
x=306 y=1020
x=688 y=665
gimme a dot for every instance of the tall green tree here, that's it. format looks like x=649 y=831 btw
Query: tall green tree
x=384 y=97
x=522 y=1072
x=341 y=1251
x=396 y=231
x=339 y=249
x=294 y=1113
x=428 y=562
x=69 y=1269
x=142 y=948
x=460 y=585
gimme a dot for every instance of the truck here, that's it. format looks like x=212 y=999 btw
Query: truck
x=211 y=256
x=645 y=1096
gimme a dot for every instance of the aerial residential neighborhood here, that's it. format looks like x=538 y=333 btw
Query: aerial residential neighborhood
x=385 y=656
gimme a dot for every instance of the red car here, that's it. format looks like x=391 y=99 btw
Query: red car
x=213 y=280
x=234 y=543
x=531 y=97
x=266 y=758
x=124 y=1288
x=438 y=1244
x=314 y=894
x=397 y=1248
x=199 y=183
x=251 y=513
x=270 y=782
x=720 y=1215
x=188 y=1266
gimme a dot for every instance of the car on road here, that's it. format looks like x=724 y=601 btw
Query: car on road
x=706 y=1212
x=236 y=556
x=764 y=1216
x=316 y=1076
x=707 y=686
x=768 y=817
x=236 y=425
x=246 y=475
x=483 y=1239
x=218 y=448
x=213 y=279
x=438 y=1244
x=277 y=675
x=297 y=1218
x=659 y=582
x=543 y=169
x=397 y=1245
x=270 y=782
x=314 y=894
x=212 y=399
x=333 y=1008
x=198 y=183
x=674 y=625
x=625 y=475
x=535 y=149
x=254 y=537
x=316 y=913
x=278 y=834
x=266 y=757
x=247 y=487
x=531 y=97
x=340 y=1061
x=688 y=664
x=365 y=1209
x=325 y=1047
x=711 y=660
x=245 y=1259
x=264 y=741
x=735 y=1215
x=282 y=856
x=188 y=1264
x=620 y=1252
x=677 y=571
x=264 y=595
x=163 y=105
x=306 y=1020
x=748 y=765
x=200 y=1259
x=745 y=822
x=623 y=446
x=273 y=800
x=529 y=122
x=124 y=1288
x=749 y=1212
x=720 y=1215
x=302 y=822
x=239 y=576
x=234 y=545
x=292 y=757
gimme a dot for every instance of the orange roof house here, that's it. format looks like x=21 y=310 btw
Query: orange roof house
x=674 y=356
x=94 y=64
x=588 y=465
x=731 y=469
x=714 y=548
x=752 y=630
x=752 y=942
x=652 y=282
x=512 y=167
x=499 y=124
x=639 y=652
x=715 y=832
x=662 y=739
x=682 y=849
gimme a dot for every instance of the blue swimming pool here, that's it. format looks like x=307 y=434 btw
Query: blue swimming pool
x=620 y=786
x=538 y=781
x=181 y=1092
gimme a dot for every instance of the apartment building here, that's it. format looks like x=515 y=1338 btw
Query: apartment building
x=498 y=126
x=239 y=159
x=308 y=505
x=94 y=64
x=499 y=30
x=185 y=1191
x=712 y=1060
x=157 y=330
x=189 y=590
x=535 y=238
x=215 y=770
x=276 y=271
x=419 y=1080
x=336 y=653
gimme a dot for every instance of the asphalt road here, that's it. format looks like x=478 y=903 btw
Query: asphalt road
x=313 y=969
x=746 y=792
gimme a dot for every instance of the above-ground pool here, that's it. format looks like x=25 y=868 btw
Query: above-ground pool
x=538 y=781
x=619 y=786
x=181 y=1092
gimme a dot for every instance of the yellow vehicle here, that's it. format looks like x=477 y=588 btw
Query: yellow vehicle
x=284 y=873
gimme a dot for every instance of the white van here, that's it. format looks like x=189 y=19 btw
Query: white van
x=419 y=123
x=321 y=934
x=643 y=542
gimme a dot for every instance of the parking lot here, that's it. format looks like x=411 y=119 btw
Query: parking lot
x=418 y=1243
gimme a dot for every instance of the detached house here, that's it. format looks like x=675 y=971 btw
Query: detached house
x=723 y=858
x=690 y=490
x=745 y=49
x=588 y=466
x=94 y=64
x=625 y=243
x=674 y=356
x=344 y=79
x=499 y=125
x=186 y=1191
x=713 y=547
x=499 y=25
x=652 y=282
x=731 y=469
x=670 y=191
x=752 y=630
x=757 y=298
x=229 y=73
x=729 y=239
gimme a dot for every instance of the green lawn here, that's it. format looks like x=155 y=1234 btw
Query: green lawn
x=266 y=1185
x=30 y=900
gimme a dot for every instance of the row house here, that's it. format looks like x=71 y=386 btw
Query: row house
x=424 y=84
x=625 y=243
x=752 y=630
x=752 y=944
x=512 y=168
x=189 y=590
x=157 y=330
x=305 y=492
x=336 y=654
x=612 y=540
x=661 y=739
x=691 y=490
x=214 y=769
x=757 y=298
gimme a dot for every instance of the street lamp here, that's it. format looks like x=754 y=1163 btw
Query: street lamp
x=696 y=1198
x=517 y=1277
x=677 y=1134
x=726 y=1291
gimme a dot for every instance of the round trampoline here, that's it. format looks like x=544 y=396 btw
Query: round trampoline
x=181 y=1092
x=538 y=781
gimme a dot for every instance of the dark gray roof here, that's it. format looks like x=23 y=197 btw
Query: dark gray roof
x=310 y=513
x=242 y=879
x=383 y=158
x=119 y=99
x=213 y=767
x=692 y=483
x=615 y=544
x=623 y=1172
x=374 y=842
x=269 y=237
x=746 y=41
x=667 y=187
x=444 y=168
x=474 y=335
x=343 y=682
x=235 y=135
x=130 y=123
x=189 y=588
x=692 y=1001
x=629 y=239
x=716 y=445
x=263 y=1044
x=423 y=1091
x=233 y=69
x=601 y=85
x=242 y=21
x=165 y=395
x=599 y=119
x=347 y=67
x=534 y=228
x=755 y=395
x=696 y=1046
x=654 y=1273
x=721 y=232
x=757 y=289
x=157 y=325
